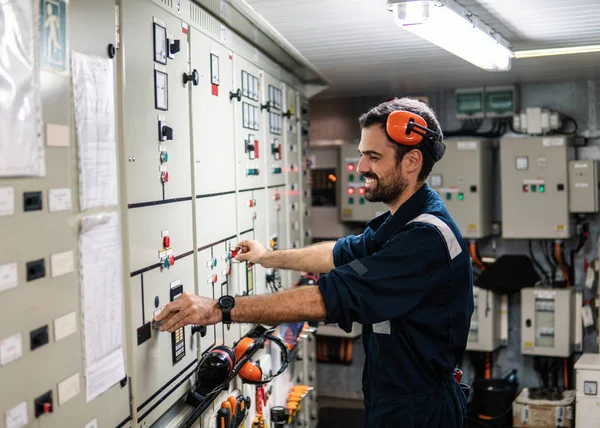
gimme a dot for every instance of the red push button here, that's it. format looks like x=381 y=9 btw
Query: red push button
x=172 y=260
x=277 y=196
x=47 y=408
x=166 y=242
x=215 y=278
x=164 y=177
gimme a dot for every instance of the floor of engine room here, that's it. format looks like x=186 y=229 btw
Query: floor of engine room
x=336 y=412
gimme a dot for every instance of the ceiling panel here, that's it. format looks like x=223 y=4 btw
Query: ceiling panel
x=359 y=48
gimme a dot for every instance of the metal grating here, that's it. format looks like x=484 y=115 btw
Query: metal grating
x=204 y=20
x=358 y=47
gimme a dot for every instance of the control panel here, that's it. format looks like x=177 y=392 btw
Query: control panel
x=485 y=333
x=184 y=140
x=272 y=112
x=550 y=322
x=463 y=179
x=535 y=187
x=587 y=375
x=353 y=204
x=306 y=184
x=251 y=150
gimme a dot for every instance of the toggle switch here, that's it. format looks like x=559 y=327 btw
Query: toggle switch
x=164 y=157
x=164 y=177
x=277 y=196
x=43 y=404
x=276 y=150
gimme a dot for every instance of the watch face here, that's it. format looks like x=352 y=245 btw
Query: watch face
x=226 y=302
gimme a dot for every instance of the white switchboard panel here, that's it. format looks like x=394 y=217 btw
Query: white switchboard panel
x=550 y=322
x=463 y=179
x=535 y=187
x=165 y=139
x=485 y=333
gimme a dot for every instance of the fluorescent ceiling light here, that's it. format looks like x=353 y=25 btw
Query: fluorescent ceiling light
x=557 y=51
x=450 y=26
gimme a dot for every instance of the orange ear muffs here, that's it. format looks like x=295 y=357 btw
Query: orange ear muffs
x=251 y=372
x=406 y=128
x=410 y=129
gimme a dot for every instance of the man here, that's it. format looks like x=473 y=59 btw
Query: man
x=407 y=279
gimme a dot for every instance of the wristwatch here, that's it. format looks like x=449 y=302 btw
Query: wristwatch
x=226 y=303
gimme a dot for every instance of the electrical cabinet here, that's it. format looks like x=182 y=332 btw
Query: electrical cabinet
x=353 y=204
x=583 y=186
x=485 y=331
x=305 y=183
x=549 y=322
x=535 y=187
x=210 y=148
x=587 y=374
x=463 y=179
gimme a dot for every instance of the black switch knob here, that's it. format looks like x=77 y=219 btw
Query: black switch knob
x=528 y=323
x=266 y=106
x=199 y=329
x=194 y=77
x=237 y=94
x=287 y=114
x=167 y=132
x=175 y=46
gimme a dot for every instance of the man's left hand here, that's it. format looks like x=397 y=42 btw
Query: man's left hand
x=189 y=309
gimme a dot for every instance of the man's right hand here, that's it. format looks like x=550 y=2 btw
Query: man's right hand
x=252 y=251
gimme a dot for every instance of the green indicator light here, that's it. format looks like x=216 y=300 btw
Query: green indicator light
x=448 y=196
x=542 y=188
x=351 y=177
x=461 y=196
x=350 y=201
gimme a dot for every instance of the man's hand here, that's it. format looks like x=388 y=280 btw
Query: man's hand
x=189 y=309
x=252 y=251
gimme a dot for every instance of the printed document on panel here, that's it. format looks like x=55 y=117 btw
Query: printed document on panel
x=20 y=127
x=94 y=103
x=101 y=302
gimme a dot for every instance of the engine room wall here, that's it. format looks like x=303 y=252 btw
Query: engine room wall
x=337 y=119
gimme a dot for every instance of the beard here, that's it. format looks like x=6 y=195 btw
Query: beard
x=385 y=190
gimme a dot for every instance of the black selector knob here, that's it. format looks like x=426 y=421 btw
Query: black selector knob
x=266 y=106
x=175 y=46
x=237 y=94
x=287 y=114
x=199 y=329
x=194 y=77
x=167 y=132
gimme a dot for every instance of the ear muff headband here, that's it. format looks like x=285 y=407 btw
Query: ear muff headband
x=251 y=372
x=410 y=129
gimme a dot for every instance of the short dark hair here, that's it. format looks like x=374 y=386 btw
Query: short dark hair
x=379 y=115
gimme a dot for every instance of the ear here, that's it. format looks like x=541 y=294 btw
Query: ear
x=412 y=161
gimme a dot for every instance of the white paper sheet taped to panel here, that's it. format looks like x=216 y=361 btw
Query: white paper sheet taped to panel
x=7 y=201
x=101 y=295
x=11 y=348
x=61 y=263
x=93 y=98
x=59 y=199
x=8 y=276
x=17 y=416
x=20 y=137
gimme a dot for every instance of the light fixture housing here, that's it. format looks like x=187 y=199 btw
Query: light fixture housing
x=450 y=26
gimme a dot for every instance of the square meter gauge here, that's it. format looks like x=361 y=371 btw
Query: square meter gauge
x=161 y=90
x=160 y=43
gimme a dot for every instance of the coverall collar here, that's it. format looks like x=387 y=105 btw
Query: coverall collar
x=386 y=226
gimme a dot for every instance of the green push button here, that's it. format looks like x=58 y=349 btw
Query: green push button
x=350 y=201
x=361 y=201
x=166 y=262
x=448 y=196
x=350 y=177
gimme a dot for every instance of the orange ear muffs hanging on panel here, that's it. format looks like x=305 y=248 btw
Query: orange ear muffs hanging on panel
x=251 y=371
x=410 y=129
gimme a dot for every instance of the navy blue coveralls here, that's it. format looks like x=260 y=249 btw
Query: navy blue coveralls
x=408 y=280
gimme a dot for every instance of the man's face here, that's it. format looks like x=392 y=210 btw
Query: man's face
x=383 y=175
